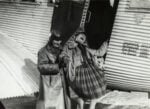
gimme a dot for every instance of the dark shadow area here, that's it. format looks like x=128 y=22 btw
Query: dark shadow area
x=1 y=106
x=66 y=18
x=101 y=21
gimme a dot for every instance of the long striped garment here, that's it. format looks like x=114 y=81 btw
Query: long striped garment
x=85 y=78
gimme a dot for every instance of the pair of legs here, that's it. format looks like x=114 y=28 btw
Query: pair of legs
x=93 y=102
x=81 y=102
x=76 y=98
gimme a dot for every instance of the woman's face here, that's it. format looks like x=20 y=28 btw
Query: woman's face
x=81 y=38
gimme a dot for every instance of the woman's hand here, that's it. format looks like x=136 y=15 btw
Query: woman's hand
x=72 y=44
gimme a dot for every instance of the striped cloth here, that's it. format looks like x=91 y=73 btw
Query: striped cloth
x=89 y=82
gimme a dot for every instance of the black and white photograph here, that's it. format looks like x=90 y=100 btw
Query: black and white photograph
x=74 y=54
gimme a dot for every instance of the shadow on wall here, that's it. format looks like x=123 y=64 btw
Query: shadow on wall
x=31 y=70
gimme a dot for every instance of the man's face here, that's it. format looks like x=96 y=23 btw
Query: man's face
x=56 y=43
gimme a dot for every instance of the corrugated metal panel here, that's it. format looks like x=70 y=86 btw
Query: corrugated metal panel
x=128 y=58
x=27 y=24
x=19 y=74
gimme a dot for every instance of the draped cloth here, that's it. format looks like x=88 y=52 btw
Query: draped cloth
x=83 y=75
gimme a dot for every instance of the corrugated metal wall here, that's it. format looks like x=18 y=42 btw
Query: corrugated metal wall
x=29 y=24
x=19 y=74
x=128 y=58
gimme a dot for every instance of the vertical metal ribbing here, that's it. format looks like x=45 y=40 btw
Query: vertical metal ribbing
x=27 y=24
x=128 y=59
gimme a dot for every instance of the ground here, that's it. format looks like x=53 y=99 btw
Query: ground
x=112 y=100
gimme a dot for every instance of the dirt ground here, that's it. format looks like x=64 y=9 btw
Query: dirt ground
x=112 y=100
x=20 y=103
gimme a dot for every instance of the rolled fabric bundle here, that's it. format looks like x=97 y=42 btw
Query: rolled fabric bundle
x=89 y=82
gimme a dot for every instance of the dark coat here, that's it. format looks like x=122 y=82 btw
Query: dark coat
x=47 y=60
x=48 y=66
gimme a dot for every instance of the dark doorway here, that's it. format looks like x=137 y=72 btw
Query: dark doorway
x=1 y=106
x=99 y=28
x=67 y=16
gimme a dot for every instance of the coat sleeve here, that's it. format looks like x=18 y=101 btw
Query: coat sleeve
x=65 y=51
x=64 y=56
x=101 y=51
x=45 y=64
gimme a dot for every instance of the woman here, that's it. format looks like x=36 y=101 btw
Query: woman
x=85 y=78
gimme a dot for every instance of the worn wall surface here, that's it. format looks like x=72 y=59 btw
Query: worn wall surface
x=128 y=57
x=29 y=24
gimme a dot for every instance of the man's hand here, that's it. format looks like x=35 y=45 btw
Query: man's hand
x=64 y=61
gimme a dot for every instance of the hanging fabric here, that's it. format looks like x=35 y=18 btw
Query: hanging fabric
x=89 y=81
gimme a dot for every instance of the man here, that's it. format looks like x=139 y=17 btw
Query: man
x=47 y=56
x=48 y=65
